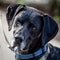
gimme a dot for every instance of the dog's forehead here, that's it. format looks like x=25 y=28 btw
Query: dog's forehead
x=28 y=14
x=33 y=18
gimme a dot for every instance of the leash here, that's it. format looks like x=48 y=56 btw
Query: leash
x=6 y=38
x=4 y=32
x=9 y=45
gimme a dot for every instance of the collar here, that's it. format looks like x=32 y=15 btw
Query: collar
x=44 y=57
x=35 y=54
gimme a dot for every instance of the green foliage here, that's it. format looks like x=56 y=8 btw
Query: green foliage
x=57 y=18
x=20 y=2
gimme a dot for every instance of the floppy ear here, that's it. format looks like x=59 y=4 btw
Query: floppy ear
x=11 y=11
x=50 y=29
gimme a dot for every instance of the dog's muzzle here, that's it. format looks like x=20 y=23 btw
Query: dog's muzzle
x=23 y=39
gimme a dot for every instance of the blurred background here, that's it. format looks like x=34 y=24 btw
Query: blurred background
x=52 y=7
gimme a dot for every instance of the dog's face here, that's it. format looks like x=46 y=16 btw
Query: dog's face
x=26 y=28
x=28 y=25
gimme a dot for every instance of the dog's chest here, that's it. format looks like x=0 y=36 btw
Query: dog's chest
x=53 y=53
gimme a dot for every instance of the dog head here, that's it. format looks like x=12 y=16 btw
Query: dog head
x=29 y=24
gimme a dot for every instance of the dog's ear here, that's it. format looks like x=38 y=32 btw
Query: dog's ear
x=50 y=29
x=11 y=11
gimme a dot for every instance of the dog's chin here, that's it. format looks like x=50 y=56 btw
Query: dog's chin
x=23 y=49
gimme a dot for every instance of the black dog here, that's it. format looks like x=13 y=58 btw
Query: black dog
x=32 y=30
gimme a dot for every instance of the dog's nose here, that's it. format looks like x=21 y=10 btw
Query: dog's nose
x=18 y=39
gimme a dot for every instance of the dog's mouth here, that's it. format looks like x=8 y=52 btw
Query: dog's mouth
x=24 y=51
x=23 y=45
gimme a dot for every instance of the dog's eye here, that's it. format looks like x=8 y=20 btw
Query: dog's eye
x=18 y=23
x=21 y=22
x=32 y=26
